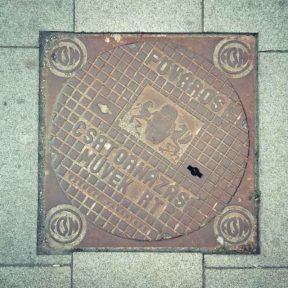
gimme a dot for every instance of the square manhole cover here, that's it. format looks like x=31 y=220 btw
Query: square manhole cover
x=147 y=142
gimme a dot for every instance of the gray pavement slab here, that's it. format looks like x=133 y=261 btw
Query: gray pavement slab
x=137 y=270
x=138 y=15
x=244 y=278
x=21 y=21
x=19 y=158
x=273 y=169
x=267 y=17
x=35 y=277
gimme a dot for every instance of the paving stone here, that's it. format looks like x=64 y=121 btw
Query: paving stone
x=137 y=270
x=243 y=278
x=18 y=277
x=267 y=17
x=21 y=20
x=138 y=15
x=18 y=158
x=273 y=168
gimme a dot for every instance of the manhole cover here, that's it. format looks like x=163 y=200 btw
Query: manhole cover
x=148 y=139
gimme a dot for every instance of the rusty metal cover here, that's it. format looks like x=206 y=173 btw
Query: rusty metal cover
x=147 y=142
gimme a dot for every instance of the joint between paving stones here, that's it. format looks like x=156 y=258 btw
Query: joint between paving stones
x=245 y=268
x=19 y=47
x=74 y=25
x=34 y=265
x=202 y=15
x=273 y=51
x=72 y=263
x=203 y=271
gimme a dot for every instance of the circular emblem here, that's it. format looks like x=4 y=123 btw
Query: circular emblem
x=233 y=57
x=65 y=226
x=144 y=145
x=67 y=56
x=235 y=224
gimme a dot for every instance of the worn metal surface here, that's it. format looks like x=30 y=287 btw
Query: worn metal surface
x=148 y=142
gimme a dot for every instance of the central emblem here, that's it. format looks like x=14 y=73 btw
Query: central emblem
x=167 y=128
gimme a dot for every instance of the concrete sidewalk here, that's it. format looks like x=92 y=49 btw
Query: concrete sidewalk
x=20 y=23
